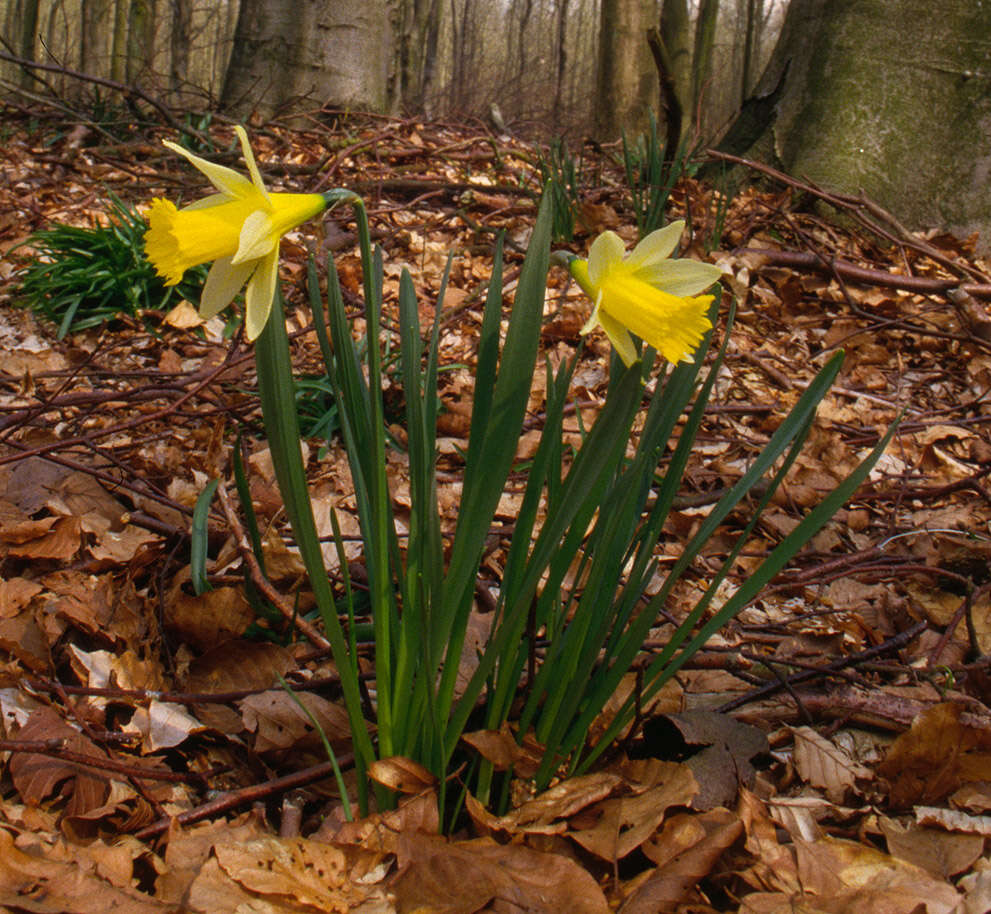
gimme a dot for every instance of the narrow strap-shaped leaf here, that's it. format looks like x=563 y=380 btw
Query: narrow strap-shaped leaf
x=199 y=538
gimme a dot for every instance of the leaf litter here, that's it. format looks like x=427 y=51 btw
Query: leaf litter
x=830 y=750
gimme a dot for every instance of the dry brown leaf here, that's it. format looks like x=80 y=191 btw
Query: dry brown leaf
x=15 y=594
x=306 y=871
x=935 y=757
x=53 y=538
x=953 y=820
x=402 y=775
x=44 y=885
x=774 y=866
x=545 y=814
x=465 y=877
x=624 y=823
x=278 y=721
x=37 y=777
x=855 y=878
x=162 y=725
x=211 y=619
x=939 y=852
x=501 y=749
x=380 y=832
x=685 y=851
x=824 y=764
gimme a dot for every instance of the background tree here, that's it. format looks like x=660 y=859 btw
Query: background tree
x=327 y=53
x=626 y=79
x=854 y=100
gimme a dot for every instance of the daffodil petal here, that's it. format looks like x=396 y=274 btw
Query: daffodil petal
x=223 y=282
x=249 y=160
x=207 y=202
x=657 y=246
x=620 y=338
x=259 y=295
x=257 y=237
x=593 y=318
x=225 y=179
x=605 y=253
x=680 y=277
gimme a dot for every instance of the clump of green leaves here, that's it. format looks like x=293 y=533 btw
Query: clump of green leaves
x=652 y=171
x=84 y=277
x=561 y=178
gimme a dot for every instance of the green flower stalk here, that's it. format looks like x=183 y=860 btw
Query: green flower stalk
x=239 y=229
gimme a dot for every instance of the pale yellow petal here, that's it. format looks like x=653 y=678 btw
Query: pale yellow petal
x=257 y=238
x=680 y=277
x=226 y=180
x=223 y=282
x=656 y=246
x=249 y=159
x=620 y=338
x=605 y=253
x=593 y=318
x=260 y=293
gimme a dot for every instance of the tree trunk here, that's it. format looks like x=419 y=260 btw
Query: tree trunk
x=308 y=52
x=416 y=39
x=854 y=100
x=626 y=81
x=705 y=40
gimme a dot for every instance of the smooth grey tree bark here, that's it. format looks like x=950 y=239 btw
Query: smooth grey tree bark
x=308 y=53
x=626 y=80
x=891 y=97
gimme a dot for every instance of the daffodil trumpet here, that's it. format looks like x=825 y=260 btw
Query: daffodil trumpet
x=646 y=293
x=238 y=229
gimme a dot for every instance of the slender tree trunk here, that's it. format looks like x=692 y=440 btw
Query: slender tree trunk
x=561 y=56
x=26 y=39
x=626 y=81
x=118 y=45
x=179 y=43
x=705 y=38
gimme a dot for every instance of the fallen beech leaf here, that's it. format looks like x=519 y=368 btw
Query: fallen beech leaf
x=162 y=725
x=310 y=872
x=402 y=774
x=855 y=877
x=15 y=594
x=278 y=722
x=54 y=538
x=940 y=853
x=501 y=749
x=211 y=619
x=719 y=749
x=380 y=832
x=953 y=820
x=466 y=877
x=774 y=866
x=44 y=885
x=685 y=851
x=545 y=813
x=826 y=765
x=935 y=757
x=36 y=777
x=626 y=822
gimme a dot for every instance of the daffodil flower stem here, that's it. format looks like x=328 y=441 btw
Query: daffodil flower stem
x=275 y=385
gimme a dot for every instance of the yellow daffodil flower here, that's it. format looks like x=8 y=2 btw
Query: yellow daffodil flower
x=647 y=293
x=238 y=228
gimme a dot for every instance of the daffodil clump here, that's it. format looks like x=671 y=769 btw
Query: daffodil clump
x=647 y=293
x=238 y=229
x=609 y=500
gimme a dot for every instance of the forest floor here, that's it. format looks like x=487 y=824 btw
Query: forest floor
x=829 y=750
